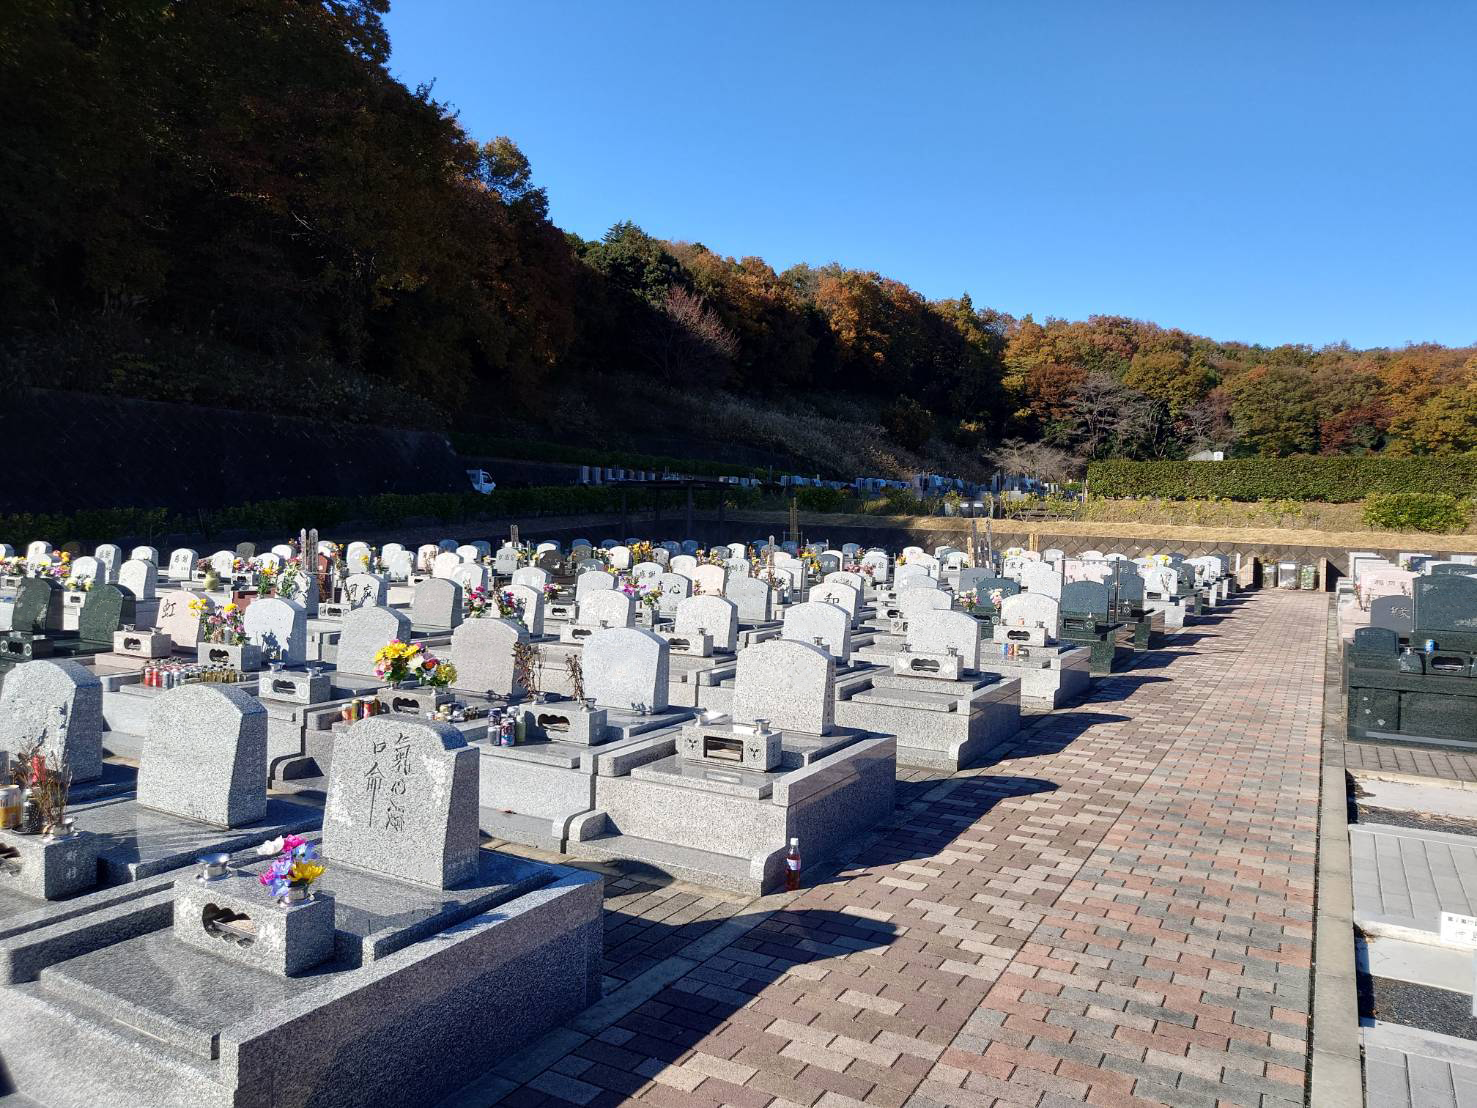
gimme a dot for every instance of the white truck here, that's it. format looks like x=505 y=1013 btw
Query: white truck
x=481 y=480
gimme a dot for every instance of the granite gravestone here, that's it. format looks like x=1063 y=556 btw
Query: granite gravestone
x=445 y=564
x=1446 y=603
x=1042 y=578
x=365 y=590
x=145 y=554
x=839 y=593
x=182 y=563
x=755 y=599
x=469 y=575
x=529 y=602
x=938 y=631
x=791 y=684
x=626 y=668
x=675 y=588
x=178 y=620
x=280 y=628
x=108 y=608
x=33 y=602
x=399 y=565
x=436 y=604
x=482 y=652
x=610 y=608
x=709 y=615
x=60 y=705
x=86 y=569
x=365 y=631
x=709 y=580
x=1394 y=612
x=826 y=625
x=910 y=572
x=1087 y=598
x=1447 y=569
x=111 y=557
x=533 y=577
x=685 y=564
x=590 y=582
x=402 y=802
x=139 y=577
x=205 y=756
x=1032 y=609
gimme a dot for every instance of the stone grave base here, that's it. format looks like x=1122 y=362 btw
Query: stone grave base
x=939 y=724
x=1144 y=633
x=1386 y=705
x=1103 y=649
x=1173 y=611
x=427 y=991
x=730 y=828
x=686 y=675
x=1050 y=677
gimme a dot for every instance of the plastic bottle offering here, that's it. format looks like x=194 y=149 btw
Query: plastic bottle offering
x=792 y=866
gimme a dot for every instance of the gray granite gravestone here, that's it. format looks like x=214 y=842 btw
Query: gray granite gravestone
x=754 y=597
x=402 y=802
x=591 y=582
x=791 y=684
x=178 y=620
x=530 y=602
x=482 y=652
x=939 y=631
x=1447 y=569
x=1086 y=598
x=205 y=756
x=111 y=557
x=627 y=668
x=1395 y=612
x=826 y=625
x=436 y=604
x=709 y=615
x=60 y=704
x=365 y=590
x=365 y=631
x=675 y=589
x=609 y=608
x=33 y=600
x=139 y=577
x=280 y=628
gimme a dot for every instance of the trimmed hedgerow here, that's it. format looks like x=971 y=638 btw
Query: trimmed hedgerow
x=1437 y=513
x=1336 y=479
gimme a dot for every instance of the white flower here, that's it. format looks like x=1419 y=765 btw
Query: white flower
x=270 y=848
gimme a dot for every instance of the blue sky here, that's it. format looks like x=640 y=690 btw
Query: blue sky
x=1270 y=172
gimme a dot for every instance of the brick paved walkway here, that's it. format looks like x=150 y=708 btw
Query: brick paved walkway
x=1117 y=911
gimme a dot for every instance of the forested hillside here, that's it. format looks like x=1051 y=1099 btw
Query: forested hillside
x=236 y=204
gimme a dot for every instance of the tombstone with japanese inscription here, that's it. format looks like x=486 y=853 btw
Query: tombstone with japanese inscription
x=402 y=801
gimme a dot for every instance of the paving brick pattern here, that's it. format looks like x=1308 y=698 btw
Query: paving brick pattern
x=1116 y=911
x=1411 y=760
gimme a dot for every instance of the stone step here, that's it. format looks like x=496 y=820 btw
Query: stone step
x=699 y=867
x=59 y=982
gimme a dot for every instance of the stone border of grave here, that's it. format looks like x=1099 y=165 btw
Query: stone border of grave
x=1336 y=1073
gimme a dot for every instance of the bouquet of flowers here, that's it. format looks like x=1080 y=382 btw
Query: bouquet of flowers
x=278 y=582
x=77 y=584
x=438 y=674
x=551 y=592
x=295 y=866
x=640 y=552
x=969 y=599
x=481 y=601
x=220 y=625
x=398 y=661
x=508 y=606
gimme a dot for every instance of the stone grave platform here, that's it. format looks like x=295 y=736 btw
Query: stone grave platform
x=1051 y=676
x=939 y=724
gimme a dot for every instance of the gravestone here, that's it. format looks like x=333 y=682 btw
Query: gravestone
x=533 y=576
x=108 y=608
x=1446 y=603
x=87 y=569
x=970 y=578
x=145 y=554
x=363 y=589
x=182 y=563
x=937 y=631
x=205 y=756
x=755 y=599
x=912 y=601
x=826 y=625
x=280 y=628
x=685 y=564
x=399 y=565
x=675 y=588
x=402 y=801
x=645 y=571
x=909 y=572
x=878 y=561
x=845 y=596
x=1087 y=598
x=468 y=553
x=1447 y=569
x=33 y=602
x=1043 y=578
x=620 y=557
x=246 y=550
x=469 y=575
x=590 y=582
x=111 y=557
x=445 y=564
x=436 y=604
x=1395 y=612
x=709 y=615
x=1032 y=609
x=530 y=603
x=709 y=579
x=626 y=668
x=791 y=684
x=178 y=620
x=482 y=652
x=364 y=631
x=610 y=607
x=505 y=562
x=224 y=564
x=139 y=577
x=60 y=704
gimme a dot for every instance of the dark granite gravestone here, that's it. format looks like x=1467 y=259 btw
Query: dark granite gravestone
x=549 y=561
x=108 y=608
x=1376 y=642
x=246 y=550
x=1087 y=620
x=829 y=563
x=1445 y=609
x=986 y=584
x=1450 y=569
x=32 y=601
x=1393 y=612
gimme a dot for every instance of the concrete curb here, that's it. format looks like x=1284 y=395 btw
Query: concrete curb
x=1336 y=1073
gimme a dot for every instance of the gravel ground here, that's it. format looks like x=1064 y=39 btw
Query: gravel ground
x=1421 y=1006
x=1399 y=817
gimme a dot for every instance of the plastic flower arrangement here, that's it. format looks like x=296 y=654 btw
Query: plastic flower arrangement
x=295 y=866
x=969 y=599
x=551 y=591
x=508 y=606
x=997 y=598
x=480 y=602
x=220 y=625
x=399 y=661
x=438 y=674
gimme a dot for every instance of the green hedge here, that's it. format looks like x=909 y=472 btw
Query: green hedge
x=496 y=446
x=1417 y=511
x=1335 y=479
